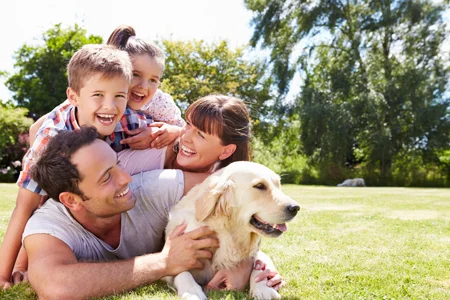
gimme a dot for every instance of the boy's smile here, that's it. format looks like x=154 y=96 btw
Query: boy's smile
x=100 y=102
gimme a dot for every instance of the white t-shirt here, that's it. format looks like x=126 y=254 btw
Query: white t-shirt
x=142 y=227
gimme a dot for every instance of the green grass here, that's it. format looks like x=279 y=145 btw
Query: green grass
x=346 y=243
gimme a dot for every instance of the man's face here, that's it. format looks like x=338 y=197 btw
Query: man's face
x=103 y=182
x=100 y=102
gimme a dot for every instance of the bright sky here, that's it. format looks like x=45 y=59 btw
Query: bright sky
x=24 y=21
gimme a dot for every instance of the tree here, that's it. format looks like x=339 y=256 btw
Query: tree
x=195 y=69
x=374 y=77
x=40 y=81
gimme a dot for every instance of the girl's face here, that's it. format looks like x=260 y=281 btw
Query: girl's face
x=199 y=151
x=146 y=76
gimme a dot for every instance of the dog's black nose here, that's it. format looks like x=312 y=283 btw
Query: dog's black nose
x=292 y=209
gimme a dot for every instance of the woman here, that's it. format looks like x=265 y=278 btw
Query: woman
x=217 y=133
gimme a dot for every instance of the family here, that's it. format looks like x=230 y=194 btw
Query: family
x=114 y=158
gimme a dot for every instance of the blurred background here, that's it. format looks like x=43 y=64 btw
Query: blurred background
x=336 y=89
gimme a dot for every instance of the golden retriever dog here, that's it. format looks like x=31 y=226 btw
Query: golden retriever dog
x=241 y=203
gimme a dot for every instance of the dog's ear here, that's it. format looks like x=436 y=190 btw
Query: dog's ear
x=216 y=201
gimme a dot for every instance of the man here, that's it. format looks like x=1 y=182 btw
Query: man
x=100 y=213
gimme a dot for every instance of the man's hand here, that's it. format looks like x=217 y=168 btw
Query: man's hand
x=234 y=279
x=4 y=283
x=18 y=276
x=274 y=279
x=164 y=134
x=183 y=250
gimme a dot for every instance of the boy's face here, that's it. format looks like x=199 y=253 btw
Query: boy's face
x=100 y=103
x=146 y=76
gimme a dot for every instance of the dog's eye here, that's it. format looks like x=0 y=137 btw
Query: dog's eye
x=260 y=186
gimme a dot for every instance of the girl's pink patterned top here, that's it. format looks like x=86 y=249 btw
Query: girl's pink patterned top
x=162 y=108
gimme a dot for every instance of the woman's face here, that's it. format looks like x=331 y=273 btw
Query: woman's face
x=199 y=151
x=146 y=76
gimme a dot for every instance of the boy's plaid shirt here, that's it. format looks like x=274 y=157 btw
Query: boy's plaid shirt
x=63 y=118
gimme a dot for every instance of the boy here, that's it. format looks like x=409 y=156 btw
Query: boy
x=99 y=78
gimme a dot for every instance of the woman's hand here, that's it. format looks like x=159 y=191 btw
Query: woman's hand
x=274 y=279
x=234 y=279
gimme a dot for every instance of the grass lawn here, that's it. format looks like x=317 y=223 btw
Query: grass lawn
x=346 y=243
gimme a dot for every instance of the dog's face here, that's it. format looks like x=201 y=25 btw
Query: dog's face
x=250 y=195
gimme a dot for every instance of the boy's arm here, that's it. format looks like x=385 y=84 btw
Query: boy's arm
x=34 y=128
x=26 y=203
x=55 y=273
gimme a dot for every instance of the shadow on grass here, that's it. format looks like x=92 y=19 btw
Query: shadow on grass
x=157 y=290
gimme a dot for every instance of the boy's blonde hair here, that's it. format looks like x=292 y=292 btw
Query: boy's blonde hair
x=94 y=59
x=124 y=38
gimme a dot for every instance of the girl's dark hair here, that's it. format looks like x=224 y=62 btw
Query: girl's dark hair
x=124 y=38
x=228 y=118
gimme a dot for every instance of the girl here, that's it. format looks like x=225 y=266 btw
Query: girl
x=144 y=95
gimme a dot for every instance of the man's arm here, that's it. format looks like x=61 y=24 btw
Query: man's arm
x=55 y=273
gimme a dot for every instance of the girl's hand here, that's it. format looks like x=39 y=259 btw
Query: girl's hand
x=140 y=139
x=164 y=134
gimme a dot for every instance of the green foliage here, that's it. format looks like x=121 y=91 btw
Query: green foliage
x=13 y=121
x=410 y=169
x=374 y=82
x=40 y=81
x=195 y=69
x=283 y=155
x=13 y=138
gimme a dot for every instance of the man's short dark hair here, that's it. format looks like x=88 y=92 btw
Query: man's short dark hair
x=53 y=171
